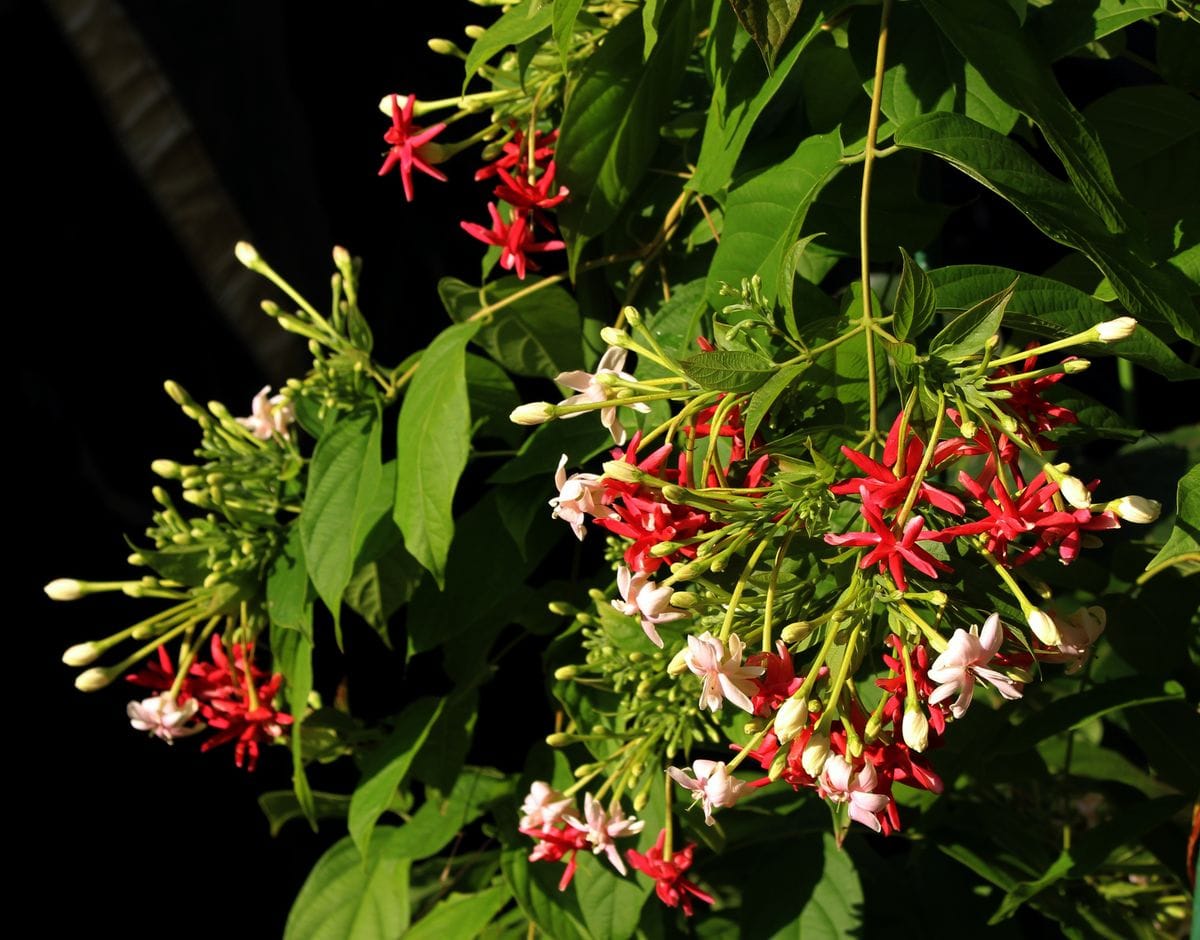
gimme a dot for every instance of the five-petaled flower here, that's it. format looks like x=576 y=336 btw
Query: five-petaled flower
x=593 y=387
x=840 y=784
x=163 y=717
x=603 y=827
x=409 y=145
x=579 y=495
x=650 y=602
x=269 y=415
x=964 y=661
x=723 y=675
x=713 y=786
x=672 y=888
x=514 y=238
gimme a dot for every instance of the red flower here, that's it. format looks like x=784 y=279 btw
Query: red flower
x=528 y=196
x=553 y=844
x=406 y=141
x=777 y=683
x=889 y=552
x=514 y=239
x=516 y=153
x=897 y=684
x=1027 y=401
x=672 y=888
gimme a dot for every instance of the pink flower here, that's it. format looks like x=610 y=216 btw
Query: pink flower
x=163 y=717
x=407 y=143
x=269 y=415
x=713 y=785
x=964 y=661
x=1077 y=633
x=579 y=495
x=602 y=828
x=592 y=389
x=514 y=239
x=543 y=807
x=641 y=597
x=837 y=784
x=724 y=676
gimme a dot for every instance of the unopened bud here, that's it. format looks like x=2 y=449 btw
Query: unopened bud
x=916 y=728
x=779 y=764
x=1072 y=366
x=443 y=47
x=791 y=719
x=136 y=560
x=1136 y=509
x=625 y=472
x=474 y=31
x=688 y=572
x=565 y=673
x=683 y=599
x=663 y=549
x=632 y=317
x=247 y=254
x=563 y=608
x=678 y=664
x=1074 y=492
x=81 y=654
x=92 y=680
x=816 y=753
x=65 y=589
x=1113 y=331
x=640 y=801
x=1043 y=626
x=674 y=493
x=558 y=739
x=167 y=469
x=614 y=337
x=535 y=412
x=175 y=392
x=795 y=632
x=385 y=103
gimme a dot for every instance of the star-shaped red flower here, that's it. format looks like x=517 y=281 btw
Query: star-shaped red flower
x=407 y=141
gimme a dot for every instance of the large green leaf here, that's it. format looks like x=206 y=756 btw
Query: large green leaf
x=579 y=439
x=444 y=815
x=610 y=126
x=768 y=22
x=1001 y=165
x=459 y=915
x=611 y=904
x=492 y=397
x=762 y=400
x=729 y=370
x=742 y=90
x=765 y=212
x=1183 y=544
x=915 y=306
x=386 y=766
x=534 y=886
x=989 y=36
x=1048 y=309
x=340 y=505
x=289 y=605
x=344 y=898
x=563 y=25
x=281 y=807
x=432 y=444
x=519 y=22
x=383 y=585
x=537 y=335
x=1063 y=26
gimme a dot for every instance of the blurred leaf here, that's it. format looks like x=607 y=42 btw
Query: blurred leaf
x=539 y=455
x=534 y=886
x=519 y=22
x=768 y=22
x=1183 y=545
x=459 y=915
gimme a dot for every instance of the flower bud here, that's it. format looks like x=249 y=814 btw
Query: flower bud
x=1136 y=509
x=167 y=469
x=559 y=739
x=563 y=673
x=816 y=753
x=684 y=599
x=247 y=254
x=92 y=679
x=623 y=471
x=791 y=719
x=81 y=654
x=916 y=728
x=1113 y=331
x=65 y=589
x=632 y=317
x=1043 y=626
x=474 y=31
x=535 y=412
x=1072 y=366
x=1074 y=492
x=443 y=47
x=614 y=337
x=795 y=632
x=678 y=665
x=385 y=103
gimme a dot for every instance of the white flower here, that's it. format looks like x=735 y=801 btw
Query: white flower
x=964 y=661
x=1078 y=632
x=915 y=729
x=1112 y=331
x=1136 y=509
x=592 y=389
x=162 y=717
x=531 y=413
x=64 y=589
x=815 y=754
x=602 y=828
x=724 y=676
x=579 y=495
x=714 y=786
x=838 y=786
x=791 y=719
x=543 y=807
x=641 y=597
x=1075 y=492
x=269 y=415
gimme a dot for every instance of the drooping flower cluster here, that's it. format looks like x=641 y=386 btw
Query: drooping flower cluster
x=229 y=694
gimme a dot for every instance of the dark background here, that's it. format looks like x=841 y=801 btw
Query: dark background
x=110 y=294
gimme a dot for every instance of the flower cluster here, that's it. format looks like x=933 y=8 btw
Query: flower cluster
x=229 y=694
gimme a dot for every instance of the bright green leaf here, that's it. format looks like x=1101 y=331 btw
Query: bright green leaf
x=563 y=25
x=762 y=400
x=729 y=370
x=915 y=304
x=459 y=915
x=432 y=444
x=966 y=333
x=519 y=22
x=385 y=767
x=535 y=889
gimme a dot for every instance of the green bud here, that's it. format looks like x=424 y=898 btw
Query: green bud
x=92 y=680
x=167 y=469
x=247 y=254
x=563 y=608
x=615 y=337
x=474 y=32
x=796 y=632
x=632 y=317
x=565 y=673
x=81 y=654
x=684 y=599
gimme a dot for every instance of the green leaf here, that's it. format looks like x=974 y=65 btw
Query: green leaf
x=339 y=507
x=579 y=439
x=289 y=605
x=281 y=807
x=915 y=305
x=345 y=899
x=765 y=212
x=382 y=586
x=291 y=655
x=520 y=22
x=385 y=767
x=966 y=333
x=814 y=303
x=440 y=762
x=1047 y=310
x=563 y=26
x=1082 y=707
x=988 y=35
x=492 y=397
x=652 y=11
x=610 y=128
x=1183 y=544
x=611 y=905
x=459 y=915
x=741 y=93
x=535 y=889
x=537 y=335
x=1175 y=52
x=1066 y=25
x=768 y=22
x=762 y=400
x=1003 y=167
x=729 y=370
x=432 y=444
x=925 y=72
x=443 y=815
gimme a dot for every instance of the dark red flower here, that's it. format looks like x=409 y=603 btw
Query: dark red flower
x=672 y=888
x=406 y=140
x=777 y=683
x=897 y=684
x=531 y=196
x=553 y=844
x=514 y=239
x=1028 y=401
x=891 y=553
x=515 y=154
